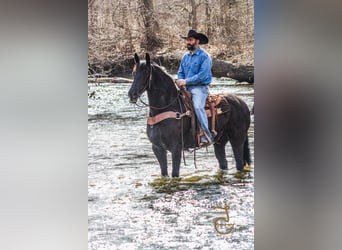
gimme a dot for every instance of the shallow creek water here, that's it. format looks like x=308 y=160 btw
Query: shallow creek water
x=131 y=207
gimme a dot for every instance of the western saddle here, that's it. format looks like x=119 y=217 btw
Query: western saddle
x=212 y=110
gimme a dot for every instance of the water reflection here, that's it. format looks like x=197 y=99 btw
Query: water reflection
x=130 y=206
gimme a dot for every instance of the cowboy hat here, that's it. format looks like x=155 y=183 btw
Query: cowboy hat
x=192 y=33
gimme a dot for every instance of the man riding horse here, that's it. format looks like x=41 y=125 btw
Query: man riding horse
x=195 y=74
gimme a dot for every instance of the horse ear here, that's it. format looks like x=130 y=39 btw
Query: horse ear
x=148 y=60
x=136 y=58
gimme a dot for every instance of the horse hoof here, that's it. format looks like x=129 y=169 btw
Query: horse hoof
x=247 y=168
x=240 y=175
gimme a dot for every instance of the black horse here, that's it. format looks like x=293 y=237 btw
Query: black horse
x=174 y=134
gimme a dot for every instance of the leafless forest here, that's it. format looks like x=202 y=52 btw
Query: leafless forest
x=119 y=28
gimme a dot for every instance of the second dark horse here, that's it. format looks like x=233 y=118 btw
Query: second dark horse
x=163 y=95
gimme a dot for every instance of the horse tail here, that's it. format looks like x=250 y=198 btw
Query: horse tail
x=246 y=152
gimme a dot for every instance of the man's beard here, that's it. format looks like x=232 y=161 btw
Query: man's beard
x=191 y=47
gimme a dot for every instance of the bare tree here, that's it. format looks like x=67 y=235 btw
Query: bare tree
x=208 y=27
x=151 y=41
x=118 y=27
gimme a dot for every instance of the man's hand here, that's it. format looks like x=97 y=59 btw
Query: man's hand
x=181 y=82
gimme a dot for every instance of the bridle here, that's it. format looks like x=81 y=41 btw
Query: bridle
x=148 y=87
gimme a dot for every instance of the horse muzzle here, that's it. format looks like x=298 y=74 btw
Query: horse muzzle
x=134 y=101
x=133 y=98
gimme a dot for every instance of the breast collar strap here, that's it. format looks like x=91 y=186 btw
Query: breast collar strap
x=166 y=115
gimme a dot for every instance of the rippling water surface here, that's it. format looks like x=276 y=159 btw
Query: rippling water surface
x=131 y=207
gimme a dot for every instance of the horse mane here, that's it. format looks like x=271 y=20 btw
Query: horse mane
x=162 y=71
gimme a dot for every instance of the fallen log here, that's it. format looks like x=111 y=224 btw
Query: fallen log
x=241 y=73
x=109 y=80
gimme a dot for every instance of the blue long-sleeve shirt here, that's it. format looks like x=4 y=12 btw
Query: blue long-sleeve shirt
x=196 y=68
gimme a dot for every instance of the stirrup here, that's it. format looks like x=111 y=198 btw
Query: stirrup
x=207 y=142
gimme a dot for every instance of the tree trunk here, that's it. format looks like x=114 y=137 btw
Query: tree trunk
x=151 y=41
x=208 y=21
x=193 y=14
x=125 y=11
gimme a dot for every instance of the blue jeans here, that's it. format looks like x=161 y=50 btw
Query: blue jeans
x=199 y=95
